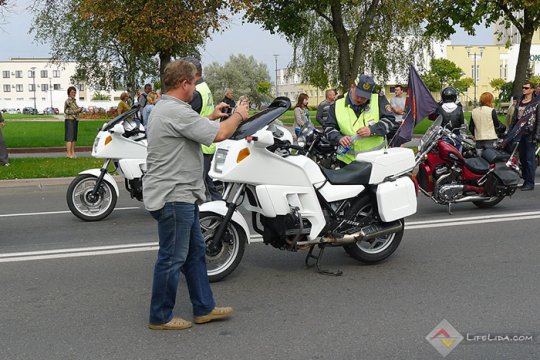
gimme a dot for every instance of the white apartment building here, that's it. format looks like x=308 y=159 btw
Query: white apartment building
x=40 y=83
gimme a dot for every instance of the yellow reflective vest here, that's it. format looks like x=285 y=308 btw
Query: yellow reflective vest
x=206 y=109
x=349 y=123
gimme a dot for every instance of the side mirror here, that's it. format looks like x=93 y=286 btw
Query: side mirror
x=118 y=129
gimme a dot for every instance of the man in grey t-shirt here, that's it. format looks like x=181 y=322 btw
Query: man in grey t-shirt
x=398 y=103
x=173 y=187
x=322 y=109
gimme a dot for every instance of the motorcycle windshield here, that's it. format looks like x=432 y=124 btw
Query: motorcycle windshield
x=258 y=121
x=430 y=134
x=122 y=117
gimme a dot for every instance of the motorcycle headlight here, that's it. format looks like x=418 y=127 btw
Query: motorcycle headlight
x=301 y=141
x=219 y=159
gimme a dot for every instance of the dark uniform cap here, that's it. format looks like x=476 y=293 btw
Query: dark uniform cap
x=365 y=86
x=195 y=62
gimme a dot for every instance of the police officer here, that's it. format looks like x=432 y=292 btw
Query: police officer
x=363 y=113
x=203 y=103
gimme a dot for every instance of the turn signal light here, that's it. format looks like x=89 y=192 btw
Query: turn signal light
x=108 y=140
x=244 y=153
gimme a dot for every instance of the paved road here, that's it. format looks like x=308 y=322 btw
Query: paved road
x=477 y=268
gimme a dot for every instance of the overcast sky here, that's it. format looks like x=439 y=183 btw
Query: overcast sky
x=239 y=38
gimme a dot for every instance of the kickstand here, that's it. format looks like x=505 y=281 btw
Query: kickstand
x=318 y=260
x=450 y=208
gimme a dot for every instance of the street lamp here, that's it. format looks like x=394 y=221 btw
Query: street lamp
x=50 y=89
x=33 y=68
x=276 y=56
x=477 y=56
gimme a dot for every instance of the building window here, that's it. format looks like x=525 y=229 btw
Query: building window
x=31 y=74
x=56 y=86
x=80 y=87
x=5 y=74
x=7 y=88
x=31 y=87
x=44 y=87
x=56 y=73
x=18 y=74
x=19 y=87
x=44 y=74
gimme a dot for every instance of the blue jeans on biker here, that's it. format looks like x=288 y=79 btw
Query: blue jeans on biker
x=526 y=158
x=181 y=248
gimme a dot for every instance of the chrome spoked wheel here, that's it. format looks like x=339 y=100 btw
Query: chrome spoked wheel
x=224 y=257
x=377 y=245
x=378 y=249
x=86 y=205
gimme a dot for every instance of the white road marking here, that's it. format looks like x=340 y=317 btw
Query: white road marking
x=58 y=212
x=153 y=246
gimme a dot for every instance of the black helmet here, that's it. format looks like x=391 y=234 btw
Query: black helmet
x=448 y=95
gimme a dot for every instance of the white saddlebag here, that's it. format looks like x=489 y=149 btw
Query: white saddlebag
x=387 y=162
x=396 y=199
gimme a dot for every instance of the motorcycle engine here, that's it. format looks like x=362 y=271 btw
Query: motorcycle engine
x=447 y=186
x=284 y=231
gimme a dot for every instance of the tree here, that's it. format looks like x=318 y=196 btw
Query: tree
x=443 y=15
x=444 y=73
x=102 y=60
x=497 y=85
x=241 y=73
x=461 y=85
x=145 y=28
x=155 y=27
x=334 y=40
x=506 y=91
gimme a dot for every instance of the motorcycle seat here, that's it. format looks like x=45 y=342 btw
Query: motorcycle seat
x=356 y=173
x=495 y=155
x=477 y=165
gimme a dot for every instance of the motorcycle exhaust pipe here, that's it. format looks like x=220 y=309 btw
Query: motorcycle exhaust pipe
x=366 y=233
x=472 y=198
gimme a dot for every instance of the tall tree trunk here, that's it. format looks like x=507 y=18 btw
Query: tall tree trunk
x=164 y=60
x=342 y=37
x=523 y=59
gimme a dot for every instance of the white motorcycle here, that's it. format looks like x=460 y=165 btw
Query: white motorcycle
x=295 y=204
x=92 y=195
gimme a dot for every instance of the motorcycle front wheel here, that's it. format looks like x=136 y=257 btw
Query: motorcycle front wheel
x=221 y=259
x=375 y=250
x=86 y=206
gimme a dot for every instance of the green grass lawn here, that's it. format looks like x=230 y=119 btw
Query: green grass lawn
x=30 y=168
x=47 y=134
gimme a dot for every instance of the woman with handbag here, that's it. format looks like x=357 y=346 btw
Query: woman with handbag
x=485 y=125
x=71 y=122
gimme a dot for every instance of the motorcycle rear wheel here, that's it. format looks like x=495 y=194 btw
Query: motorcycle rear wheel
x=223 y=260
x=488 y=203
x=375 y=250
x=86 y=207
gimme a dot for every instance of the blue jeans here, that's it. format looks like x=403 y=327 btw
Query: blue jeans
x=181 y=248
x=526 y=158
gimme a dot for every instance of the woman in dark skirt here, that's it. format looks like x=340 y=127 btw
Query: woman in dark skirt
x=71 y=122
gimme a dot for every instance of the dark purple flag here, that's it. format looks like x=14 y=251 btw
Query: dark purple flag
x=419 y=104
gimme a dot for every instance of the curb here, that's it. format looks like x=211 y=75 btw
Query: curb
x=38 y=150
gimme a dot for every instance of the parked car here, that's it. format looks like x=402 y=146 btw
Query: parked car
x=30 y=111
x=13 y=111
x=50 y=111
